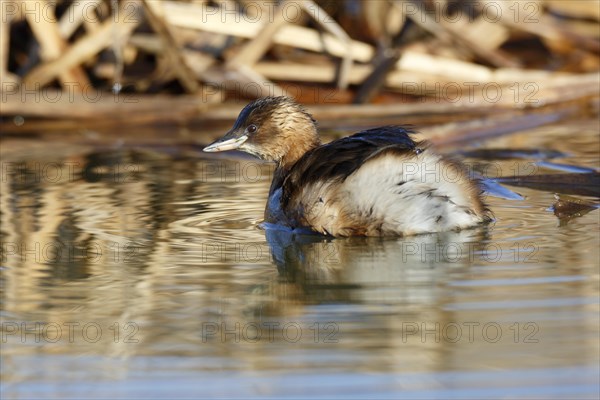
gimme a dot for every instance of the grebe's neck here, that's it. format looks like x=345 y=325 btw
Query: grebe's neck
x=296 y=144
x=303 y=141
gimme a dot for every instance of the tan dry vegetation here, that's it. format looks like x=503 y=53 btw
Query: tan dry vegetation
x=189 y=60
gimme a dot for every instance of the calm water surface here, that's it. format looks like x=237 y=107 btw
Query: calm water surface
x=141 y=273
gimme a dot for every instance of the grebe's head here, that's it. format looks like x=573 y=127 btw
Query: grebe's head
x=272 y=128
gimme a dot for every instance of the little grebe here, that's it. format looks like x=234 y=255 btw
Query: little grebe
x=374 y=183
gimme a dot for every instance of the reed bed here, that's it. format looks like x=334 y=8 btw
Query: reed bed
x=147 y=61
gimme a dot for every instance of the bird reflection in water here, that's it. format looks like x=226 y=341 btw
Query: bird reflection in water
x=342 y=269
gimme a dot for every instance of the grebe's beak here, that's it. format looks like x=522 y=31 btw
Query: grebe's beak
x=230 y=141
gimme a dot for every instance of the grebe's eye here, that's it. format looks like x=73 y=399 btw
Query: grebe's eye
x=252 y=128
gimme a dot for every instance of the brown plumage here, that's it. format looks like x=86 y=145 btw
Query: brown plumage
x=376 y=182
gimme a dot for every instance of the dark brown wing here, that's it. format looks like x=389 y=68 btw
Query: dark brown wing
x=335 y=161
